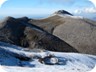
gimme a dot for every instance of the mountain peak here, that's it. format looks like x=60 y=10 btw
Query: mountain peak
x=9 y=18
x=24 y=19
x=63 y=12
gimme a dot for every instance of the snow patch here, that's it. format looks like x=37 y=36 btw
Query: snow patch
x=68 y=62
x=75 y=17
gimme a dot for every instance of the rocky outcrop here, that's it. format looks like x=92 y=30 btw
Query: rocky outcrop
x=63 y=12
x=11 y=30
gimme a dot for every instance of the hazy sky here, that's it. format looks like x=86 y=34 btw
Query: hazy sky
x=40 y=7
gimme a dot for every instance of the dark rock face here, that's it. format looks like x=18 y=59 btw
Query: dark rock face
x=43 y=40
x=20 y=32
x=24 y=19
x=63 y=12
x=11 y=30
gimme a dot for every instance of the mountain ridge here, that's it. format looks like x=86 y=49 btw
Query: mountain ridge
x=20 y=32
x=62 y=12
x=76 y=31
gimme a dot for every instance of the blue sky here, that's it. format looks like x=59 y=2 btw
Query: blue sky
x=44 y=7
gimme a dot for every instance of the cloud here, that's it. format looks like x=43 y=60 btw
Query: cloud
x=93 y=70
x=47 y=6
x=85 y=10
x=2 y=2
x=68 y=3
x=94 y=2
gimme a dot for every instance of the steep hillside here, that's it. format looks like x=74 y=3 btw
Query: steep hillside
x=75 y=30
x=49 y=23
x=80 y=33
x=52 y=21
x=20 y=32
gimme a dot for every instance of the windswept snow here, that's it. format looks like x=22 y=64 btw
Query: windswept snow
x=75 y=17
x=1 y=69
x=68 y=16
x=93 y=70
x=68 y=62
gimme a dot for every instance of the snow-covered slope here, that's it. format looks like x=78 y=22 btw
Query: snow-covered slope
x=68 y=16
x=68 y=62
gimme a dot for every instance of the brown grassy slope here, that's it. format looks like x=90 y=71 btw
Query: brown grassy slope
x=49 y=23
x=80 y=33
